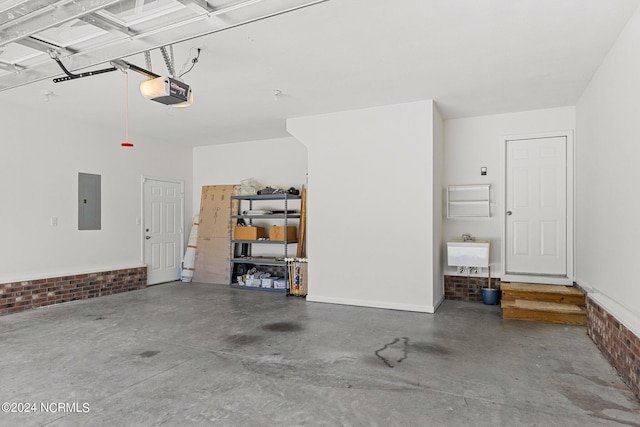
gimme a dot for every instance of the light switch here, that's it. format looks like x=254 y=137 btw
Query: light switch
x=483 y=170
x=54 y=221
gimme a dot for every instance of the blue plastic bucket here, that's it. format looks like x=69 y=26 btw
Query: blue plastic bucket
x=490 y=296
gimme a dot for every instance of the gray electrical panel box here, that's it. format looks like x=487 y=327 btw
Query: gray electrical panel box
x=89 y=201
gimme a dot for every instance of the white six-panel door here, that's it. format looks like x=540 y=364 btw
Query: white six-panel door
x=536 y=207
x=162 y=230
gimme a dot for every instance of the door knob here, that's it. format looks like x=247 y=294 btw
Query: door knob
x=147 y=237
x=509 y=212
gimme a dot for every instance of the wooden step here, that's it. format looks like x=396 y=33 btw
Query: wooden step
x=543 y=311
x=548 y=293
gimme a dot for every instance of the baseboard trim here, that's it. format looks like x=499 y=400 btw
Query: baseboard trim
x=65 y=273
x=437 y=305
x=374 y=304
x=622 y=314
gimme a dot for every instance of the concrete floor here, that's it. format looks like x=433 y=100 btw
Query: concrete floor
x=195 y=354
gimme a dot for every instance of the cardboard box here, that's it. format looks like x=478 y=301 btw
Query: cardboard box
x=248 y=233
x=276 y=232
x=253 y=283
x=268 y=282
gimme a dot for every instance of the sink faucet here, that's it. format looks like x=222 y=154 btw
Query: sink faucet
x=467 y=238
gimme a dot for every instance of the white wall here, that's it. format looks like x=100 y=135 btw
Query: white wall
x=40 y=158
x=279 y=163
x=608 y=176
x=471 y=143
x=370 y=206
x=439 y=255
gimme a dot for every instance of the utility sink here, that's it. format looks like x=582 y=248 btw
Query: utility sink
x=468 y=253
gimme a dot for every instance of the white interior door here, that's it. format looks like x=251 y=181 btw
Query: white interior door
x=536 y=238
x=163 y=230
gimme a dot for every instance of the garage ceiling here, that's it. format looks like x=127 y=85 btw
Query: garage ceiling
x=90 y=32
x=473 y=58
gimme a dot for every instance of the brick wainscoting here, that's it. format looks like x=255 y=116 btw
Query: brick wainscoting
x=464 y=288
x=618 y=344
x=25 y=295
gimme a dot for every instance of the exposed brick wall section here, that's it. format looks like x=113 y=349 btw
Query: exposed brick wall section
x=618 y=344
x=463 y=288
x=26 y=295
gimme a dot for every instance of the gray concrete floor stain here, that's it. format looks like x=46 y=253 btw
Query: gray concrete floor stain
x=282 y=327
x=241 y=339
x=196 y=354
x=597 y=406
x=148 y=353
x=399 y=349
x=388 y=354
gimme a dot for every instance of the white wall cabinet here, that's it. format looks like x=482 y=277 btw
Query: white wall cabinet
x=468 y=201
